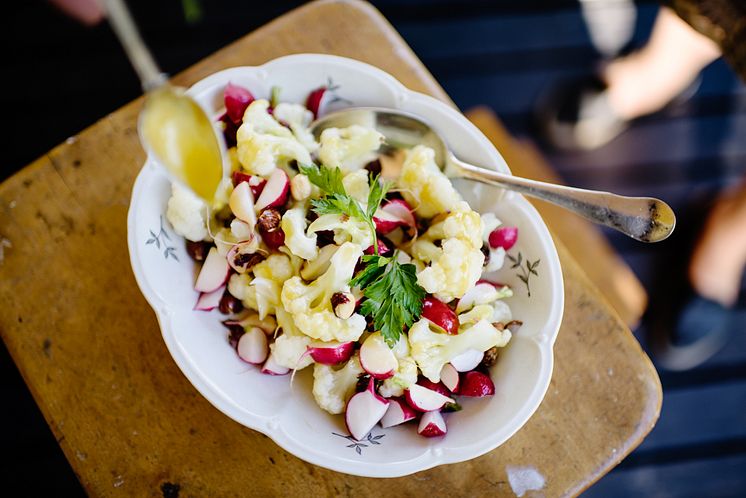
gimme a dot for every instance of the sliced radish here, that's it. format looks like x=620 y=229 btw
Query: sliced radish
x=274 y=239
x=440 y=314
x=209 y=300
x=450 y=378
x=243 y=256
x=271 y=367
x=425 y=400
x=230 y=129
x=481 y=293
x=376 y=357
x=432 y=424
x=364 y=410
x=386 y=222
x=255 y=182
x=434 y=386
x=504 y=237
x=275 y=191
x=383 y=248
x=331 y=353
x=313 y=101
x=398 y=413
x=241 y=203
x=468 y=360
x=252 y=346
x=476 y=384
x=497 y=285
x=237 y=99
x=214 y=272
x=312 y=269
x=400 y=210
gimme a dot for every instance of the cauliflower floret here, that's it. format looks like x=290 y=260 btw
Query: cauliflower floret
x=262 y=141
x=457 y=264
x=356 y=184
x=474 y=315
x=455 y=271
x=333 y=387
x=239 y=285
x=298 y=117
x=311 y=305
x=187 y=213
x=432 y=349
x=424 y=185
x=289 y=348
x=294 y=225
x=348 y=148
x=406 y=372
x=345 y=229
x=269 y=275
x=501 y=312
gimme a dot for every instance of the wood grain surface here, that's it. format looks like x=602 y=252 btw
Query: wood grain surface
x=89 y=347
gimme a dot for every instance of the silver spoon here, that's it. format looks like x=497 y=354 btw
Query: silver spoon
x=172 y=126
x=643 y=218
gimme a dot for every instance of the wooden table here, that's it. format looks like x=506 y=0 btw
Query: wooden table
x=89 y=347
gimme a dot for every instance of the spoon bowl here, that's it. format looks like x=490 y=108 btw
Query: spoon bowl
x=643 y=218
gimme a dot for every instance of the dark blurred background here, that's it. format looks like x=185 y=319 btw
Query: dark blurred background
x=61 y=77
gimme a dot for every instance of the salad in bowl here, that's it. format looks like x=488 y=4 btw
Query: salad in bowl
x=333 y=256
x=340 y=290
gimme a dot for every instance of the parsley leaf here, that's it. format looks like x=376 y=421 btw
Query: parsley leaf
x=393 y=297
x=327 y=179
x=377 y=192
x=338 y=201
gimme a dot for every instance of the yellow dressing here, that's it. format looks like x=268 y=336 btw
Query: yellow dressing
x=183 y=139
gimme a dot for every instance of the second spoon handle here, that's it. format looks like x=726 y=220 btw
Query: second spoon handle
x=643 y=218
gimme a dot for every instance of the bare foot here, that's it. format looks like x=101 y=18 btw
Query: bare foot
x=719 y=257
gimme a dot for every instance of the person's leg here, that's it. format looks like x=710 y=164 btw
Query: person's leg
x=650 y=78
x=719 y=257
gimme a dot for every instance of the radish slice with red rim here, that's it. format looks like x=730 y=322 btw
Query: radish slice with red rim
x=432 y=424
x=214 y=272
x=364 y=410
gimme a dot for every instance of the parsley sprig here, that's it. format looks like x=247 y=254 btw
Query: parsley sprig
x=338 y=201
x=392 y=296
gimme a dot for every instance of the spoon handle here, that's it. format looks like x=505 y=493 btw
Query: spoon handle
x=138 y=53
x=643 y=218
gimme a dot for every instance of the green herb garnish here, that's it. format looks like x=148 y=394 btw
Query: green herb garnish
x=338 y=201
x=393 y=296
x=274 y=96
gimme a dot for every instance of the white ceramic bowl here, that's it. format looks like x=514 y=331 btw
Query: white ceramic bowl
x=197 y=340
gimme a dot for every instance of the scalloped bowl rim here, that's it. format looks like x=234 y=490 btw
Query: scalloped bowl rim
x=269 y=426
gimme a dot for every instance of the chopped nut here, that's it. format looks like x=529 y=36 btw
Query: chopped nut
x=513 y=326
x=490 y=356
x=246 y=261
x=300 y=187
x=269 y=220
x=343 y=304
